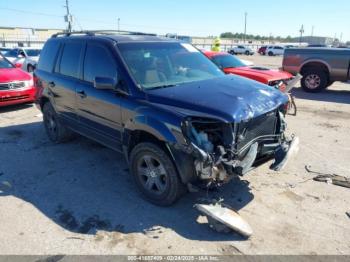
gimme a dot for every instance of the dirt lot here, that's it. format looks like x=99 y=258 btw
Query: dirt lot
x=78 y=197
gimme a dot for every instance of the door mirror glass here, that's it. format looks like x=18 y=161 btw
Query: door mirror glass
x=104 y=83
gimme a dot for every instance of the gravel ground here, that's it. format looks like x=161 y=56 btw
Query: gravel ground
x=78 y=197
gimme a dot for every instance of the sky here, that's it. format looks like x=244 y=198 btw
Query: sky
x=187 y=17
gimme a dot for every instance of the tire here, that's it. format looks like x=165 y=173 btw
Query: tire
x=314 y=80
x=30 y=68
x=56 y=132
x=155 y=174
x=270 y=53
x=329 y=83
x=247 y=53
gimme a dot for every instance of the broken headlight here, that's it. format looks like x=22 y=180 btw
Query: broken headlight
x=208 y=133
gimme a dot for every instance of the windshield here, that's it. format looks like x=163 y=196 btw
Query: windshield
x=227 y=61
x=32 y=52
x=11 y=53
x=4 y=63
x=155 y=65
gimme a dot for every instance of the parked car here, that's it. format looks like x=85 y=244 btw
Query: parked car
x=178 y=120
x=262 y=50
x=27 y=57
x=317 y=45
x=230 y=64
x=320 y=67
x=16 y=86
x=4 y=50
x=275 y=50
x=239 y=50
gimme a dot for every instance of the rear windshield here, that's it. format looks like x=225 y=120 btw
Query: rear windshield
x=158 y=64
x=4 y=63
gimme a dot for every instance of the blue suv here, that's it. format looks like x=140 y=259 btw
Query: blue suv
x=179 y=121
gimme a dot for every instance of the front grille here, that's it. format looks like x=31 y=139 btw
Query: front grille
x=264 y=125
x=12 y=85
x=12 y=98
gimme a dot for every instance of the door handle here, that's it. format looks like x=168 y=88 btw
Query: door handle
x=52 y=84
x=81 y=93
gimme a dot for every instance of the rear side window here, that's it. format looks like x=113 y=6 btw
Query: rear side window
x=48 y=56
x=70 y=59
x=98 y=62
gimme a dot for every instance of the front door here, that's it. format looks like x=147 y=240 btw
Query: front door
x=99 y=111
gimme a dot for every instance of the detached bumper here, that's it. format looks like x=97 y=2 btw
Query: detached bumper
x=13 y=97
x=284 y=153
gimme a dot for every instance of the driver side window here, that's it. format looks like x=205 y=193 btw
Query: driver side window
x=99 y=62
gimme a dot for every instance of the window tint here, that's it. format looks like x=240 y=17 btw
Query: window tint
x=12 y=53
x=98 y=62
x=48 y=56
x=70 y=59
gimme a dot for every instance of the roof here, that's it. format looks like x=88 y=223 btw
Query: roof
x=116 y=36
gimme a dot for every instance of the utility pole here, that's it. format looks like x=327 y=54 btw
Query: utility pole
x=312 y=31
x=301 y=33
x=245 y=26
x=118 y=24
x=341 y=37
x=68 y=17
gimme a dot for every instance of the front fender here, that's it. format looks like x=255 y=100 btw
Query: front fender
x=162 y=131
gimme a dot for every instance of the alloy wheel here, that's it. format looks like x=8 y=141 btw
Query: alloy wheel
x=152 y=174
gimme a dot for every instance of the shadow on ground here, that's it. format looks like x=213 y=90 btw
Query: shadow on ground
x=85 y=187
x=7 y=109
x=328 y=95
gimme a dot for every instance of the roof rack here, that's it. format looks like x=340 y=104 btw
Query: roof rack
x=100 y=32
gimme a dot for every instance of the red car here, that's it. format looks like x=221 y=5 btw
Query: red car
x=16 y=86
x=232 y=65
x=262 y=50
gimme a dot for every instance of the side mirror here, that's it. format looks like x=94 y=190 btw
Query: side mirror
x=20 y=56
x=18 y=65
x=104 y=83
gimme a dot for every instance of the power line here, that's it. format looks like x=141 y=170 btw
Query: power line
x=29 y=12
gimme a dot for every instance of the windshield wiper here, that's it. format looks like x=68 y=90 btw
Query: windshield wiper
x=162 y=86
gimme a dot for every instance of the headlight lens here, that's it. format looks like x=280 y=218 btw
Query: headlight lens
x=29 y=83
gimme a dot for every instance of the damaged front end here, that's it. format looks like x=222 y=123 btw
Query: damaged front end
x=223 y=150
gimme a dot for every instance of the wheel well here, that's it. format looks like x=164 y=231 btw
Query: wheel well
x=315 y=65
x=183 y=163
x=43 y=101
x=136 y=137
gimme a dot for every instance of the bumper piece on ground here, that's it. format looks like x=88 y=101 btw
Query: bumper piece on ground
x=222 y=217
x=284 y=153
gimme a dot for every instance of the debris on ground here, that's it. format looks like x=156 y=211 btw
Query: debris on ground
x=348 y=214
x=330 y=178
x=224 y=218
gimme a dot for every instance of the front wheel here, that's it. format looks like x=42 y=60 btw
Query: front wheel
x=247 y=53
x=270 y=53
x=30 y=68
x=155 y=174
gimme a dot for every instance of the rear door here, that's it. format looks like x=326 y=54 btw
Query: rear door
x=98 y=110
x=63 y=85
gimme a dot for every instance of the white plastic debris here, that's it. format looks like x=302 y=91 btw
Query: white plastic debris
x=226 y=216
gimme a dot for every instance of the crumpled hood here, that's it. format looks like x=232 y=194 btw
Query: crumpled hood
x=229 y=98
x=13 y=74
x=259 y=73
